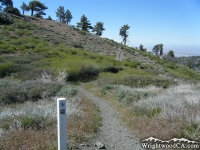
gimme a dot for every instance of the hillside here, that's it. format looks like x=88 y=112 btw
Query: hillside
x=41 y=60
x=60 y=35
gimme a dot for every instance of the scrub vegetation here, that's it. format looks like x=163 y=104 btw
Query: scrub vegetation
x=153 y=96
x=154 y=111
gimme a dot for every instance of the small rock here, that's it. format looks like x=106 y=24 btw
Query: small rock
x=100 y=145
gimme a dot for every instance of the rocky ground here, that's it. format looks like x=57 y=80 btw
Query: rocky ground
x=112 y=135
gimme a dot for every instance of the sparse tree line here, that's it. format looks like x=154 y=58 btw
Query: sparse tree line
x=84 y=24
x=65 y=16
x=33 y=6
x=158 y=50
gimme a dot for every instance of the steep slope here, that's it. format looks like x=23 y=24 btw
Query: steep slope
x=57 y=33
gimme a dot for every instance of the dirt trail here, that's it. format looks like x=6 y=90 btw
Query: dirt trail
x=114 y=135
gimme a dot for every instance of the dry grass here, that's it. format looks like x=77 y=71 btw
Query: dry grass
x=30 y=140
x=181 y=101
x=47 y=77
x=155 y=127
x=177 y=116
x=82 y=121
x=81 y=128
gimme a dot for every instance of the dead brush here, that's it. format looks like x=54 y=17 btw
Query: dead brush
x=82 y=121
x=178 y=115
x=15 y=124
x=47 y=77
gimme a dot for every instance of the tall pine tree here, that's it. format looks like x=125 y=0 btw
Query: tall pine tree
x=23 y=7
x=124 y=33
x=98 y=28
x=68 y=16
x=38 y=7
x=60 y=13
x=84 y=24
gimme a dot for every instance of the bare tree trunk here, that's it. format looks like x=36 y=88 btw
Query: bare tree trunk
x=125 y=41
x=31 y=12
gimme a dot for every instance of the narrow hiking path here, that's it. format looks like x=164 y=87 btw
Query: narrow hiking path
x=112 y=134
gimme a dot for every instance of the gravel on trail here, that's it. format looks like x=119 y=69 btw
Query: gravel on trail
x=112 y=134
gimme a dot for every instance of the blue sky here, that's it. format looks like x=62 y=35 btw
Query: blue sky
x=175 y=23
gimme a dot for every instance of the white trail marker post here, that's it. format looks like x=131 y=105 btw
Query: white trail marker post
x=61 y=123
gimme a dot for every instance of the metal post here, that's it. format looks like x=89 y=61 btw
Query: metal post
x=61 y=123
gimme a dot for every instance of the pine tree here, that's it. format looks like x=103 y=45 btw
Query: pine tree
x=49 y=18
x=38 y=7
x=6 y=3
x=161 y=49
x=84 y=24
x=171 y=54
x=98 y=28
x=68 y=16
x=23 y=7
x=60 y=13
x=124 y=33
x=158 y=48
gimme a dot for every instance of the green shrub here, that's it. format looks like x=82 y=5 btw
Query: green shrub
x=106 y=88
x=188 y=131
x=145 y=66
x=6 y=33
x=42 y=47
x=28 y=91
x=67 y=91
x=78 y=46
x=36 y=74
x=154 y=112
x=23 y=64
x=4 y=46
x=12 y=10
x=86 y=71
x=137 y=95
x=112 y=69
x=171 y=65
x=132 y=64
x=9 y=50
x=5 y=69
x=82 y=32
x=27 y=122
x=22 y=25
x=128 y=95
x=184 y=72
x=35 y=122
x=143 y=81
x=4 y=83
x=5 y=18
x=147 y=113
x=73 y=52
x=120 y=95
x=23 y=32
